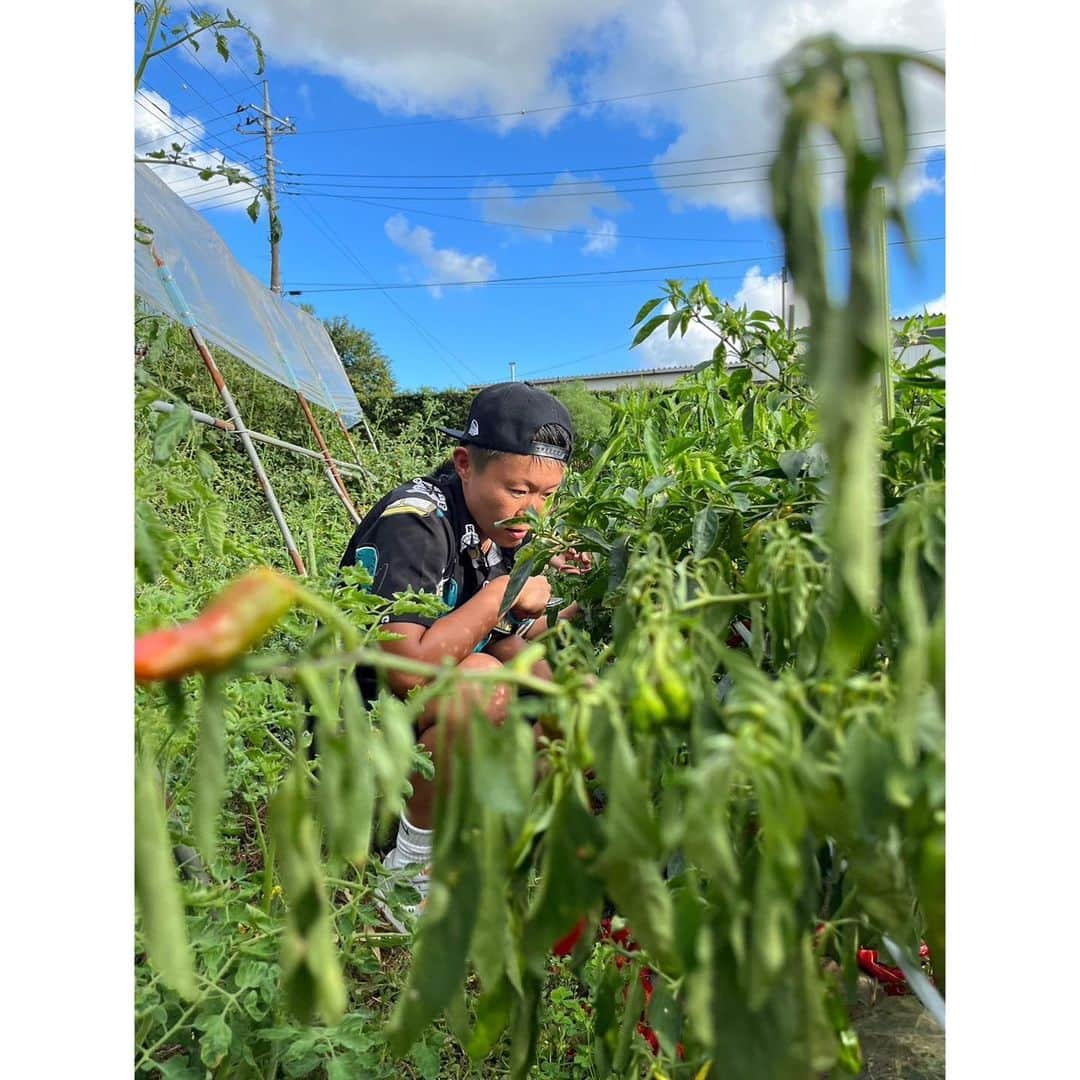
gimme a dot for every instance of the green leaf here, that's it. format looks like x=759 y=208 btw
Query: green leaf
x=253 y=209
x=645 y=309
x=705 y=532
x=212 y=522
x=631 y=1012
x=427 y=1060
x=157 y=885
x=617 y=562
x=492 y=1015
x=172 y=427
x=656 y=485
x=664 y=1016
x=525 y=1028
x=738 y=381
x=310 y=973
x=891 y=108
x=792 y=462
x=442 y=942
x=207 y=466
x=599 y=542
x=215 y=1041
x=222 y=46
x=149 y=556
x=523 y=569
x=748 y=419
x=647 y=329
x=652 y=446
x=210 y=768
x=568 y=887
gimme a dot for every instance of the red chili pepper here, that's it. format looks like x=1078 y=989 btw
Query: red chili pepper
x=565 y=945
x=891 y=978
x=234 y=621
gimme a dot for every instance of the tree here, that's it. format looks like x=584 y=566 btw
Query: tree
x=590 y=414
x=365 y=363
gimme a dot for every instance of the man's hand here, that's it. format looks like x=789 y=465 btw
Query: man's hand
x=572 y=561
x=532 y=601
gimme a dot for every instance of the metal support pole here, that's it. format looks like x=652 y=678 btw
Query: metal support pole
x=363 y=420
x=348 y=438
x=227 y=427
x=880 y=249
x=184 y=315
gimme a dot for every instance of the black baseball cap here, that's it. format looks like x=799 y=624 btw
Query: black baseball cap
x=507 y=417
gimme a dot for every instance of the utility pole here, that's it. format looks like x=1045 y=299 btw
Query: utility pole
x=783 y=291
x=285 y=127
x=882 y=265
x=513 y=371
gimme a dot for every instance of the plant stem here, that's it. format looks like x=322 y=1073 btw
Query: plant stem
x=185 y=1016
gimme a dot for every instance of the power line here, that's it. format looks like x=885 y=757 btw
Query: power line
x=578 y=360
x=546 y=228
x=318 y=287
x=178 y=129
x=553 y=195
x=593 y=168
x=429 y=338
x=571 y=105
x=579 y=184
x=537 y=277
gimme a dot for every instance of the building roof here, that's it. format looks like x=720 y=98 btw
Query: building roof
x=670 y=369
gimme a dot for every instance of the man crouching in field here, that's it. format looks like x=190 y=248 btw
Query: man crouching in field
x=443 y=534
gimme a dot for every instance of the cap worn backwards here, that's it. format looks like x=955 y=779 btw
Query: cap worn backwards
x=507 y=417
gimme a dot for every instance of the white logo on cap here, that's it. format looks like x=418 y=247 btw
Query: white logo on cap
x=474 y=428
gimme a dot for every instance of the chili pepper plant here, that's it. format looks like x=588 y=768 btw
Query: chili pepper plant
x=744 y=766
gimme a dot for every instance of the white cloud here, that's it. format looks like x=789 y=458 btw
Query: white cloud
x=570 y=202
x=157 y=127
x=480 y=56
x=661 y=351
x=757 y=292
x=445 y=263
x=743 y=115
x=603 y=241
x=933 y=307
x=422 y=56
x=760 y=293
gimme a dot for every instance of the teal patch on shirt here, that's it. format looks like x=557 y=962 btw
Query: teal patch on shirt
x=368 y=558
x=450 y=593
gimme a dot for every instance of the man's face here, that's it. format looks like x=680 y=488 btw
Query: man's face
x=506 y=487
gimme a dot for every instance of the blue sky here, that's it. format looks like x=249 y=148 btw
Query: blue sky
x=387 y=181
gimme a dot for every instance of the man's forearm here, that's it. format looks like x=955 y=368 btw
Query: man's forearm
x=541 y=627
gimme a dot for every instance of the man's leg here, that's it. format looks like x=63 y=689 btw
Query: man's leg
x=452 y=714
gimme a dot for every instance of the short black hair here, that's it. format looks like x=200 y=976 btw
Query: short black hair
x=551 y=434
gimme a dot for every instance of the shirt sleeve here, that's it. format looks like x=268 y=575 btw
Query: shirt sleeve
x=406 y=548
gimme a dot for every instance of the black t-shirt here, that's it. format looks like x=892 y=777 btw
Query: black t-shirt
x=421 y=536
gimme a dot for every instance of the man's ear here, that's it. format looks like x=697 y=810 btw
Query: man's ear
x=463 y=465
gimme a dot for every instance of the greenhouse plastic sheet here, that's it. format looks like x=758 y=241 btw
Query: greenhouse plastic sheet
x=230 y=307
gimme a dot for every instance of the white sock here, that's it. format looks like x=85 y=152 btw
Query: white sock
x=413 y=842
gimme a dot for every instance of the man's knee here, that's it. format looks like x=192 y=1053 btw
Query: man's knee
x=479 y=661
x=469 y=697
